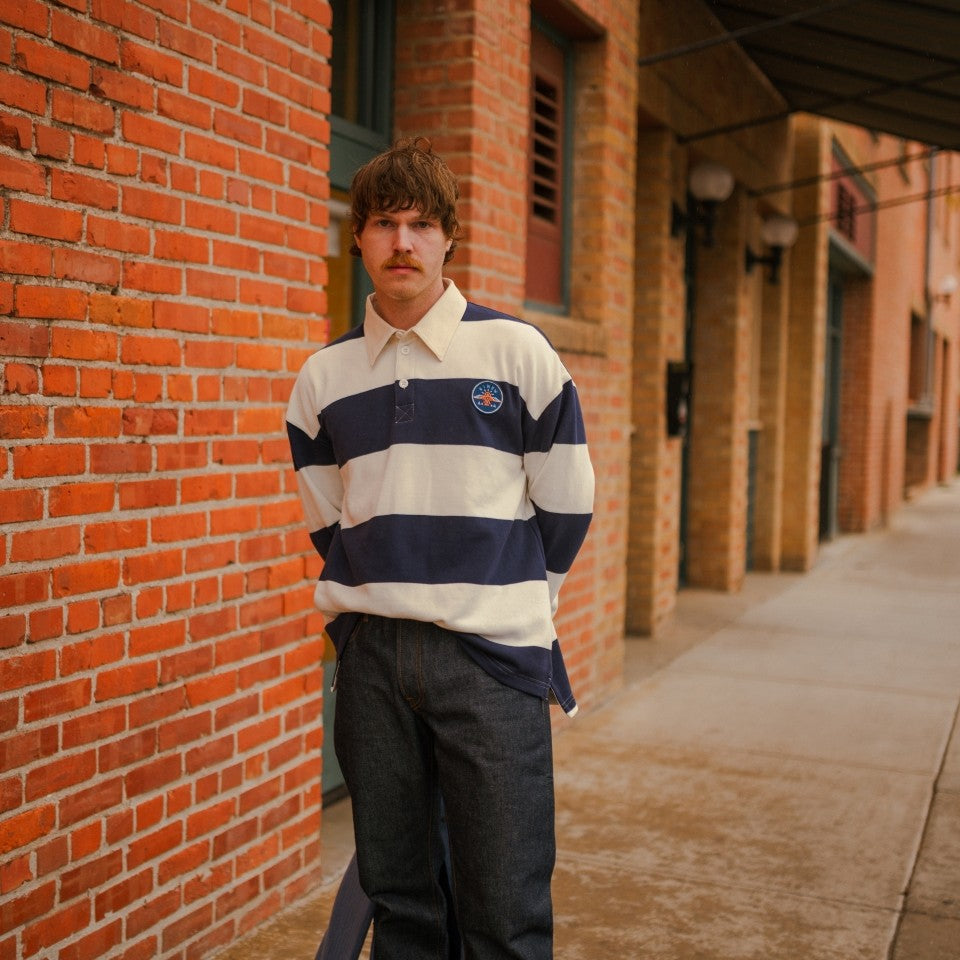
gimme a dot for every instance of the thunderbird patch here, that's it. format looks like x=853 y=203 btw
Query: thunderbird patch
x=487 y=396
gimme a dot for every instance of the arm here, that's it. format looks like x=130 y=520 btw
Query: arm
x=560 y=478
x=318 y=475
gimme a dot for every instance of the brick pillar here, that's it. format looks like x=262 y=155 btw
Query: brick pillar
x=721 y=374
x=652 y=558
x=768 y=516
x=472 y=102
x=807 y=319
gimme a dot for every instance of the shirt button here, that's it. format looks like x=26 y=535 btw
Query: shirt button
x=404 y=349
x=404 y=384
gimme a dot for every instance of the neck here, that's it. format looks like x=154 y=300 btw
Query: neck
x=405 y=314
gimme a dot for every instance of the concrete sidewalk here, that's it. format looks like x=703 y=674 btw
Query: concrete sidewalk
x=779 y=778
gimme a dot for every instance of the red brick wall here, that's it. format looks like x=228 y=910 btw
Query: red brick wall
x=161 y=241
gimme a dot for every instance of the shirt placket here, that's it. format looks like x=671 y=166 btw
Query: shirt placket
x=403 y=382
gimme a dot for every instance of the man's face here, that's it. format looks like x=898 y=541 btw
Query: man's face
x=403 y=253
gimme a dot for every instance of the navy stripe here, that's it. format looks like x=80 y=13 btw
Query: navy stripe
x=562 y=535
x=421 y=549
x=354 y=333
x=309 y=451
x=560 y=422
x=442 y=411
x=523 y=668
x=321 y=539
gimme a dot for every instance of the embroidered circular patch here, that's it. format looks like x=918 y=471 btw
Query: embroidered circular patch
x=487 y=396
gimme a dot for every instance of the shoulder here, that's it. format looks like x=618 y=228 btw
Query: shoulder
x=509 y=326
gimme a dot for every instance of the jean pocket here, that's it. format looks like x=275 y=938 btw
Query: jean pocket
x=342 y=651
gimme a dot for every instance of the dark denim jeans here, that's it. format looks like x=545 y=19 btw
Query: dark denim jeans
x=418 y=719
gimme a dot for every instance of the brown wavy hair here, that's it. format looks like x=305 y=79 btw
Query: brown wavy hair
x=407 y=176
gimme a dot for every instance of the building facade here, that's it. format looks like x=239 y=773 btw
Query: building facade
x=173 y=245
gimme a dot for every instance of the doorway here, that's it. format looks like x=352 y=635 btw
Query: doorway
x=830 y=452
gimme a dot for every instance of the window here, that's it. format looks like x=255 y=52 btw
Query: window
x=548 y=170
x=360 y=123
x=846 y=213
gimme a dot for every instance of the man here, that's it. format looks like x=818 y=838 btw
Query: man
x=444 y=473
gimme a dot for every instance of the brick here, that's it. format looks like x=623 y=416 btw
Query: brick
x=27 y=670
x=89 y=151
x=87 y=422
x=90 y=728
x=22 y=175
x=13 y=630
x=52 y=142
x=56 y=223
x=81 y=111
x=151 y=205
x=84 y=36
x=78 y=344
x=83 y=616
x=116 y=235
x=188 y=110
x=127 y=751
x=122 y=87
x=50 y=303
x=81 y=189
x=154 y=351
x=81 y=498
x=29 y=15
x=114 y=536
x=17 y=257
x=120 y=311
x=188 y=926
x=48 y=460
x=159 y=565
x=18 y=339
x=22 y=423
x=130 y=889
x=56 y=927
x=74 y=264
x=97 y=944
x=181 y=246
x=52 y=63
x=16 y=132
x=125 y=681
x=130 y=19
x=141 y=494
x=23 y=93
x=151 y=777
x=209 y=216
x=148 y=132
x=207 y=150
x=45 y=544
x=46 y=624
x=191 y=43
x=212 y=86
x=60 y=774
x=56 y=699
x=21 y=910
x=156 y=638
x=150 y=277
x=88 y=577
x=151 y=62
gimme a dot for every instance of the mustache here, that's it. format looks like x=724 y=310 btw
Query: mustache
x=402 y=260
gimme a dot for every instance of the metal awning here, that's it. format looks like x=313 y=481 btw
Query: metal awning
x=889 y=65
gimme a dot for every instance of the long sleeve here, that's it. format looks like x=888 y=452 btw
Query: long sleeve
x=560 y=481
x=317 y=471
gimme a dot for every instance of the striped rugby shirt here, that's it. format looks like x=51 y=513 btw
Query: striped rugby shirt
x=445 y=478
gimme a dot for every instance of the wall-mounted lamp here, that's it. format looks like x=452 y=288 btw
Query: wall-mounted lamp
x=948 y=287
x=709 y=183
x=778 y=233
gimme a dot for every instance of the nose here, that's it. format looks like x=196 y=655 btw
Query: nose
x=403 y=238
